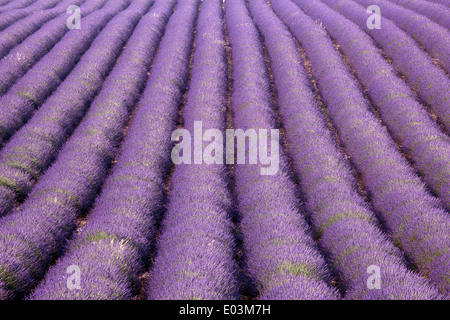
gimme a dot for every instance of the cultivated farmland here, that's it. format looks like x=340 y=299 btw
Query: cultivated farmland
x=224 y=150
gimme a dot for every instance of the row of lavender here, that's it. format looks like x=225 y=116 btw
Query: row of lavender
x=196 y=247
x=11 y=16
x=23 y=28
x=348 y=230
x=123 y=222
x=32 y=148
x=431 y=83
x=283 y=262
x=25 y=95
x=34 y=235
x=280 y=254
x=417 y=222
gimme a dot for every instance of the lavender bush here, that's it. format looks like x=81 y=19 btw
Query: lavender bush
x=35 y=145
x=48 y=216
x=414 y=218
x=37 y=84
x=408 y=121
x=434 y=38
x=339 y=215
x=19 y=31
x=196 y=248
x=431 y=83
x=280 y=253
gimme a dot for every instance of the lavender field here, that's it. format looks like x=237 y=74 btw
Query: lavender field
x=224 y=150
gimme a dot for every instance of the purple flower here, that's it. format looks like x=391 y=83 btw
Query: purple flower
x=37 y=232
x=431 y=83
x=438 y=12
x=33 y=148
x=280 y=254
x=17 y=32
x=434 y=38
x=415 y=220
x=195 y=257
x=348 y=230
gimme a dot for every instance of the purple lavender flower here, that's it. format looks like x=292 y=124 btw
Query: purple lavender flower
x=437 y=12
x=35 y=234
x=196 y=249
x=431 y=83
x=408 y=121
x=35 y=145
x=19 y=31
x=348 y=230
x=280 y=254
x=434 y=38
x=415 y=220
